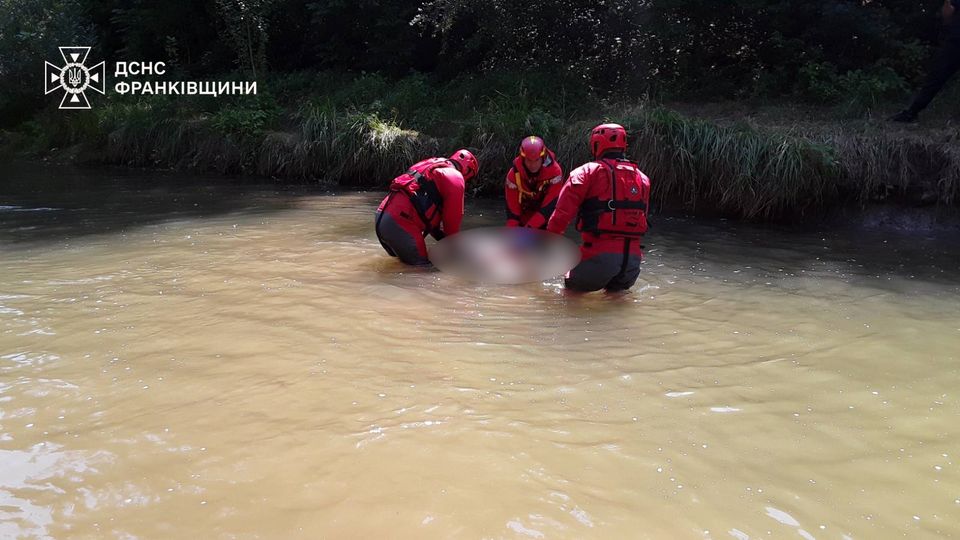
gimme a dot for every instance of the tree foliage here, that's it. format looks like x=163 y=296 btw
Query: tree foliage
x=30 y=32
x=742 y=47
x=817 y=50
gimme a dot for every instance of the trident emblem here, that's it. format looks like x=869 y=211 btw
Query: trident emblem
x=75 y=75
x=74 y=78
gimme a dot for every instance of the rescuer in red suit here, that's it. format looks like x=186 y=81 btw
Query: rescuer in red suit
x=427 y=199
x=533 y=184
x=609 y=197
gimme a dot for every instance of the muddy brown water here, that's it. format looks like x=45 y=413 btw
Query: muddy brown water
x=181 y=358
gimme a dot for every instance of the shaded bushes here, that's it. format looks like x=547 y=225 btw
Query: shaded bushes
x=362 y=131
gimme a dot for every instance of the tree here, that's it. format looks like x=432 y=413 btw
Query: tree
x=245 y=25
x=182 y=33
x=30 y=33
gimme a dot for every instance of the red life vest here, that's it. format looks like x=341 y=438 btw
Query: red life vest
x=531 y=199
x=417 y=183
x=621 y=208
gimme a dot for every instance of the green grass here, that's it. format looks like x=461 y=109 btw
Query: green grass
x=734 y=170
x=360 y=131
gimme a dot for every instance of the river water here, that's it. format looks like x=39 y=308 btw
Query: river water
x=181 y=358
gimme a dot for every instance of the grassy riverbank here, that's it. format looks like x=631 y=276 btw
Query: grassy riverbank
x=359 y=131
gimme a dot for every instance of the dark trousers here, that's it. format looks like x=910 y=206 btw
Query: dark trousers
x=945 y=65
x=610 y=271
x=400 y=242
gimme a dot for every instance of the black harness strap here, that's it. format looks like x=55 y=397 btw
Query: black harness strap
x=600 y=206
x=627 y=205
x=547 y=211
x=432 y=194
x=613 y=189
x=619 y=233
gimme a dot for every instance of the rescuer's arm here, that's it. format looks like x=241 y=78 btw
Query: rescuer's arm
x=548 y=204
x=451 y=185
x=511 y=192
x=571 y=196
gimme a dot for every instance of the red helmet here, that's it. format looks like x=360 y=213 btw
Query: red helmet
x=607 y=137
x=466 y=162
x=533 y=148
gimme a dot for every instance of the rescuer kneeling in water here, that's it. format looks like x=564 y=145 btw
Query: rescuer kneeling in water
x=533 y=184
x=609 y=198
x=427 y=199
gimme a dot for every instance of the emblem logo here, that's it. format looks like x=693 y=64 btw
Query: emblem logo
x=74 y=77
